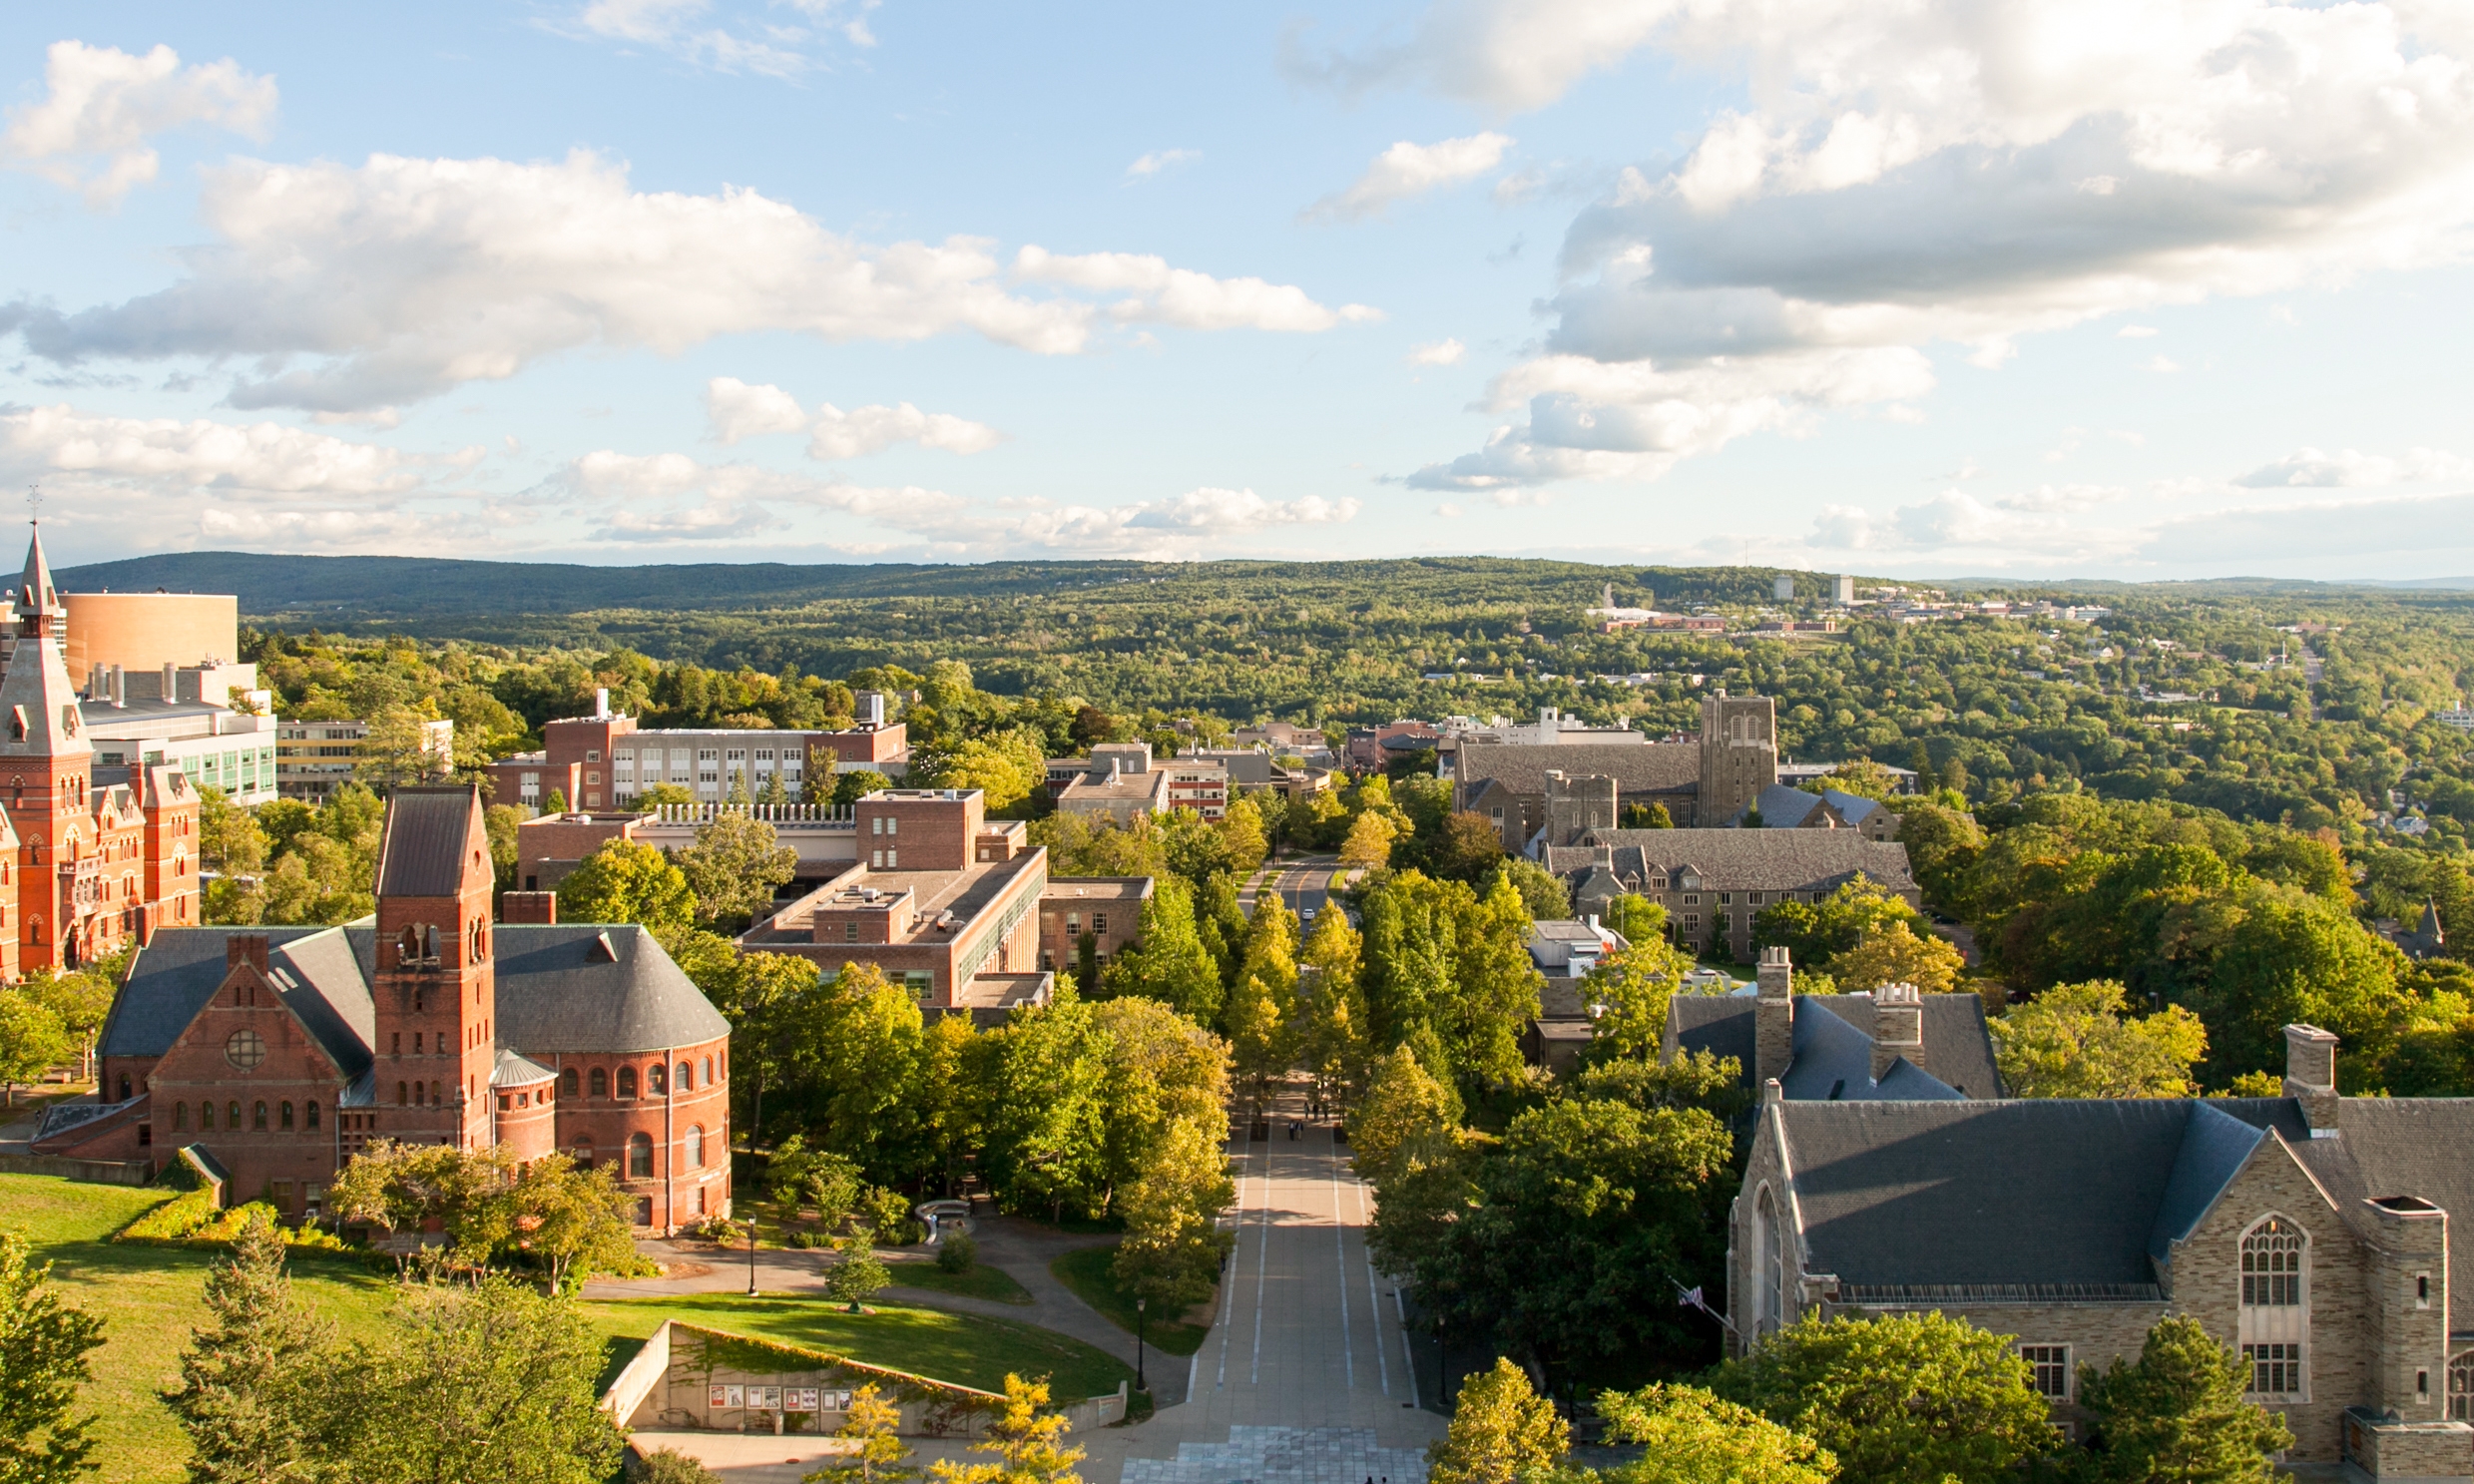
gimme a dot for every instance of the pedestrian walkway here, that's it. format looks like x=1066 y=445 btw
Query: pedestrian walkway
x=1284 y=1456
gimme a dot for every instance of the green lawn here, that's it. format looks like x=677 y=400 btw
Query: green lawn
x=150 y=1298
x=980 y=1282
x=967 y=1348
x=1085 y=1270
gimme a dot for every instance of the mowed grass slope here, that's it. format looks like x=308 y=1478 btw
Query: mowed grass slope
x=150 y=1298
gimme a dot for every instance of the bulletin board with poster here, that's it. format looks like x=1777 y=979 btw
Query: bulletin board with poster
x=727 y=1398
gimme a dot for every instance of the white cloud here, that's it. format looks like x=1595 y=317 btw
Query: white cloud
x=2308 y=468
x=2135 y=332
x=90 y=132
x=684 y=29
x=358 y=287
x=2163 y=366
x=174 y=456
x=738 y=410
x=1952 y=172
x=1159 y=293
x=1408 y=168
x=1159 y=160
x=1445 y=352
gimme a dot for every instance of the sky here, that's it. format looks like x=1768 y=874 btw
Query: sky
x=2037 y=289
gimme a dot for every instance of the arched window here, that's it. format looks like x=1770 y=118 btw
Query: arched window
x=601 y=1083
x=709 y=1071
x=584 y=1152
x=179 y=1117
x=2460 y=1383
x=1770 y=1251
x=2273 y=1322
x=232 y=1114
x=403 y=1094
x=123 y=1086
x=640 y=1157
x=436 y=1094
x=626 y=1082
x=312 y=1110
x=687 y=1078
x=568 y=1082
x=206 y=1116
x=655 y=1081
x=258 y=1122
x=695 y=1146
x=283 y=1115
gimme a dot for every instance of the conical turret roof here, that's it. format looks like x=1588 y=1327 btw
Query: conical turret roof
x=39 y=716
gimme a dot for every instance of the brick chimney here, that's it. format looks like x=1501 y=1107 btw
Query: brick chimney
x=532 y=908
x=245 y=948
x=1897 y=1028
x=1774 y=1017
x=2310 y=1076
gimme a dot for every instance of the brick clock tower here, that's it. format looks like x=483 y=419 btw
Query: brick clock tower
x=435 y=988
x=46 y=765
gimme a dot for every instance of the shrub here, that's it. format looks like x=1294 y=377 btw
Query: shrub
x=668 y=1466
x=957 y=1253
x=172 y=1220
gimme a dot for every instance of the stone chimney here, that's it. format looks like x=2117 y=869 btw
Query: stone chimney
x=2310 y=1076
x=2408 y=1292
x=1897 y=1028
x=245 y=948
x=1774 y=1017
x=530 y=908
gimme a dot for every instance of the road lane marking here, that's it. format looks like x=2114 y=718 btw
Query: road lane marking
x=1237 y=1261
x=1263 y=1262
x=1374 y=1296
x=1339 y=1247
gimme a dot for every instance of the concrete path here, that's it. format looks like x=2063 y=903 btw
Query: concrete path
x=1305 y=1378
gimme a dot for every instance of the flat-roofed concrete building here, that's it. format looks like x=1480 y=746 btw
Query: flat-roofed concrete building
x=942 y=899
x=315 y=758
x=605 y=761
x=1108 y=908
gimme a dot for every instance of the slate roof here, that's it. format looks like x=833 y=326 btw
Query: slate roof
x=1782 y=807
x=511 y=1069
x=1637 y=767
x=1833 y=1045
x=2406 y=1147
x=173 y=977
x=427 y=830
x=1739 y=859
x=557 y=994
x=1833 y=1062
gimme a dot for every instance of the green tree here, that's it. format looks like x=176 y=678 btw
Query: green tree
x=1493 y=991
x=43 y=1344
x=1637 y=919
x=2179 y=1415
x=397 y=751
x=1241 y=830
x=574 y=1219
x=32 y=1041
x=1467 y=848
x=1170 y=963
x=1903 y=1400
x=859 y=1274
x=1332 y=1007
x=1689 y=1436
x=2286 y=961
x=1369 y=843
x=2079 y=1041
x=501 y=820
x=1037 y=1089
x=80 y=998
x=490 y=1382
x=624 y=881
x=1501 y=1432
x=765 y=996
x=856 y=1056
x=1815 y=932
x=1262 y=1035
x=1408 y=1115
x=1627 y=994
x=1542 y=891
x=734 y=867
x=244 y=1378
x=232 y=851
x=798 y=1177
x=660 y=795
x=877 y=1455
x=670 y=1466
x=858 y=784
x=1173 y=1246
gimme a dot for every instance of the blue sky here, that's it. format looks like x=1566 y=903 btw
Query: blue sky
x=2049 y=288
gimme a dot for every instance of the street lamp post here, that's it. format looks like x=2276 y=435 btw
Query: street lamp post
x=1139 y=1303
x=752 y=1256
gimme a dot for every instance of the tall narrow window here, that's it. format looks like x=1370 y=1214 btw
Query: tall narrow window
x=686 y=1078
x=626 y=1082
x=640 y=1157
x=312 y=1115
x=655 y=1084
x=180 y=1123
x=1770 y=1298
x=695 y=1146
x=567 y=1082
x=2275 y=1319
x=2460 y=1383
x=600 y=1082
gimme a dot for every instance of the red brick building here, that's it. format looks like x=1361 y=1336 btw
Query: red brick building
x=86 y=870
x=282 y=1052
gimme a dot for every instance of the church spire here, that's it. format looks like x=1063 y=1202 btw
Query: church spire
x=39 y=609
x=39 y=715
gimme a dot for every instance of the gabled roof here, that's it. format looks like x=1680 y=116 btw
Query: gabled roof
x=1638 y=767
x=1739 y=859
x=2406 y=1147
x=1833 y=1062
x=1834 y=1044
x=173 y=977
x=429 y=834
x=2053 y=1194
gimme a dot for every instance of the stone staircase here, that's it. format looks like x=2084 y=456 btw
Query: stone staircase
x=1284 y=1456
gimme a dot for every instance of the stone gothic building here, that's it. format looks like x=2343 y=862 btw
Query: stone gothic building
x=2311 y=1231
x=278 y=1052
x=83 y=870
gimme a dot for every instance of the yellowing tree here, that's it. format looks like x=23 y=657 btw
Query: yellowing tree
x=1895 y=955
x=1030 y=1440
x=1368 y=846
x=2079 y=1041
x=1502 y=1431
x=1408 y=1113
x=1694 y=1437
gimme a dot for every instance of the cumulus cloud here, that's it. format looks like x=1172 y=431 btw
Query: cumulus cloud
x=1408 y=168
x=172 y=456
x=1502 y=55
x=738 y=410
x=1445 y=352
x=90 y=132
x=1970 y=174
x=2308 y=468
x=1159 y=160
x=358 y=287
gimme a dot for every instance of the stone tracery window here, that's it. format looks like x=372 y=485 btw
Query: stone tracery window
x=2461 y=1386
x=2274 y=1317
x=1770 y=1279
